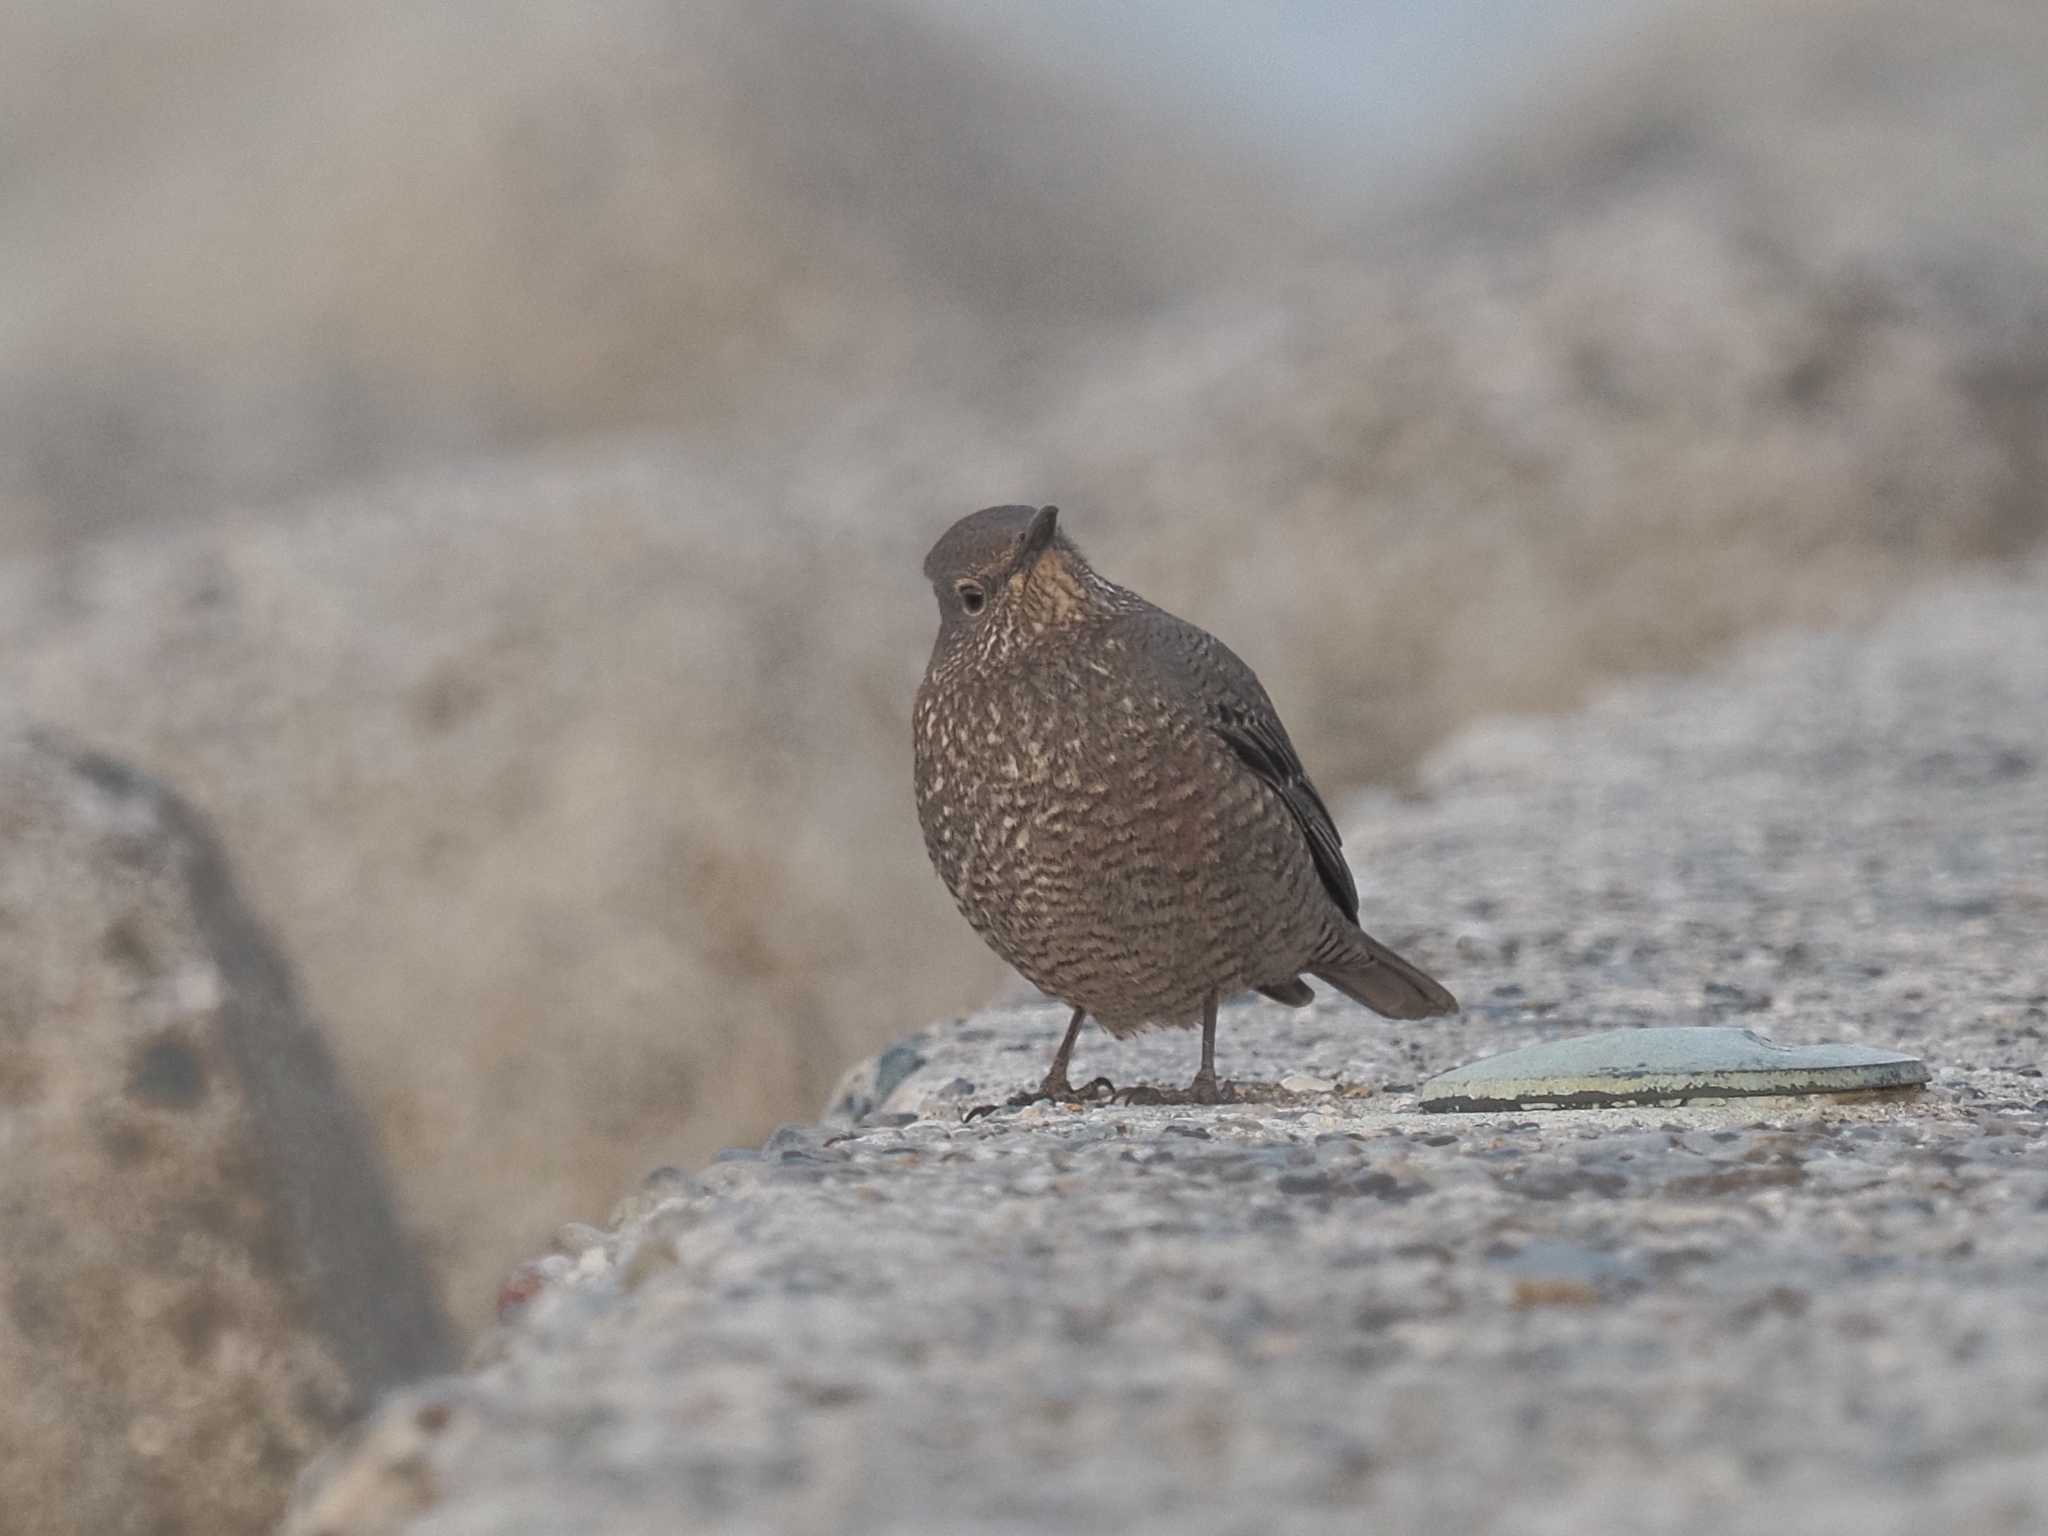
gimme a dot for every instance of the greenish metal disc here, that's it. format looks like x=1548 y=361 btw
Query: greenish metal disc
x=1651 y=1066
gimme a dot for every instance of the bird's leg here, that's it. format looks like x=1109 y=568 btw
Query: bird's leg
x=1203 y=1089
x=1056 y=1085
x=1055 y=1089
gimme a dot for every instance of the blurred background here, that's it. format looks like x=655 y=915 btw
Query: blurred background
x=482 y=453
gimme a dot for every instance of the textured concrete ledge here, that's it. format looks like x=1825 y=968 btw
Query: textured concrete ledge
x=1331 y=1311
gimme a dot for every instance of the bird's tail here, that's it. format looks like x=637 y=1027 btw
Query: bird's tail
x=1364 y=969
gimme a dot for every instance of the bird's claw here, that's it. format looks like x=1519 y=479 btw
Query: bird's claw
x=1098 y=1090
x=1200 y=1091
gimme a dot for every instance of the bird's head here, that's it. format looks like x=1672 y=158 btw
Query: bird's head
x=1006 y=571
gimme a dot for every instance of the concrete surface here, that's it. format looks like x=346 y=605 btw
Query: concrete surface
x=1330 y=1312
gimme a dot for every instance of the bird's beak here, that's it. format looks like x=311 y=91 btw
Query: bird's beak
x=1037 y=539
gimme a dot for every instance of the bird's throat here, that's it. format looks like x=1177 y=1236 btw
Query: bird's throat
x=1053 y=589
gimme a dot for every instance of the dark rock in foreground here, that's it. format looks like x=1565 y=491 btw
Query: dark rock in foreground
x=200 y=1275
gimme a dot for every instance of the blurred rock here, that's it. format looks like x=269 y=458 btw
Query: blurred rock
x=1742 y=327
x=577 y=789
x=343 y=235
x=338 y=238
x=202 y=1275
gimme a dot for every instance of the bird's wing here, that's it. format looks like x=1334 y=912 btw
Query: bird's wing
x=1238 y=710
x=1261 y=744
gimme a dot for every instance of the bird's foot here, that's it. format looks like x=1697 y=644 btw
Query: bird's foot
x=1097 y=1090
x=1205 y=1089
x=1054 y=1090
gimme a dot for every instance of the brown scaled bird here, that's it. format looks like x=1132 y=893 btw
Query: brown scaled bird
x=1114 y=804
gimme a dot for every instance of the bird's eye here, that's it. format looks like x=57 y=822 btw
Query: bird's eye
x=972 y=598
